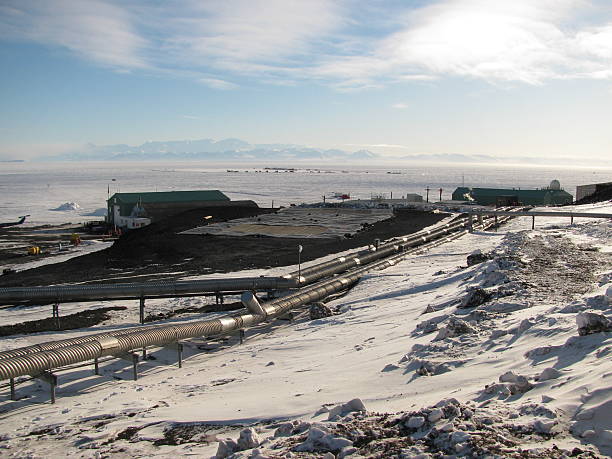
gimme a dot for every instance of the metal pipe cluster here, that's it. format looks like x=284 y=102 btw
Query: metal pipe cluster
x=373 y=253
x=34 y=360
x=70 y=293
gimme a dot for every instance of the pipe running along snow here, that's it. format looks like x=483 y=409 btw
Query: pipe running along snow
x=34 y=360
x=71 y=293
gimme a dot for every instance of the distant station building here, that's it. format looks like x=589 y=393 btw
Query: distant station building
x=550 y=196
x=585 y=191
x=382 y=202
x=135 y=210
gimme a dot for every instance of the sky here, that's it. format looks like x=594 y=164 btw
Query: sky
x=520 y=78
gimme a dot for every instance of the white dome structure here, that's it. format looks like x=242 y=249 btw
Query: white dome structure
x=555 y=185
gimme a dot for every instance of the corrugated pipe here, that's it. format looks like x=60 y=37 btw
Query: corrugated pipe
x=68 y=293
x=34 y=360
x=101 y=292
x=341 y=264
x=314 y=273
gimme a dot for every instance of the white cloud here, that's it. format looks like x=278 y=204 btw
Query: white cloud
x=341 y=43
x=400 y=106
x=495 y=40
x=216 y=83
x=93 y=29
x=256 y=36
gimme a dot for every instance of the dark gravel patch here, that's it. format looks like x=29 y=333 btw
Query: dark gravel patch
x=159 y=248
x=74 y=321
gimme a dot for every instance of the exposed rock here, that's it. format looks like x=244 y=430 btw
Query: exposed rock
x=349 y=407
x=460 y=437
x=518 y=384
x=284 y=430
x=226 y=448
x=477 y=257
x=549 y=373
x=543 y=425
x=319 y=439
x=454 y=327
x=475 y=297
x=428 y=368
x=591 y=322
x=319 y=311
x=414 y=422
x=248 y=439
x=435 y=415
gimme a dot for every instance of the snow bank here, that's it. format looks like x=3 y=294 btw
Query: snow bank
x=67 y=207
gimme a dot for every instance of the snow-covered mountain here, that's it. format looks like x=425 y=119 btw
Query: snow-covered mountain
x=208 y=149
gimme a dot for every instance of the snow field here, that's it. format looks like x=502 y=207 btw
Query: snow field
x=475 y=360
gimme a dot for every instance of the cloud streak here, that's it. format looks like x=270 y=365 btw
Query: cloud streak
x=95 y=30
x=224 y=44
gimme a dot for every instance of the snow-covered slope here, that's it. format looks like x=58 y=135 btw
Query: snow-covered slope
x=444 y=358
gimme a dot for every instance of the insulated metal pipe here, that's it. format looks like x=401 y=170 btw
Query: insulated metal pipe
x=101 y=292
x=341 y=264
x=34 y=360
x=70 y=293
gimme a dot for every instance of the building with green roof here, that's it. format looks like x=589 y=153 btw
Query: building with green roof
x=551 y=196
x=132 y=210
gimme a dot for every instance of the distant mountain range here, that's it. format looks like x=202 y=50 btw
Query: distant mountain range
x=240 y=150
x=208 y=149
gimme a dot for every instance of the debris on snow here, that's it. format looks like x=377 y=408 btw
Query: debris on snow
x=319 y=311
x=475 y=297
x=591 y=322
x=348 y=407
x=477 y=257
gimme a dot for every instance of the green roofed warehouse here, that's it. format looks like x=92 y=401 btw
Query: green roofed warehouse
x=549 y=196
x=134 y=210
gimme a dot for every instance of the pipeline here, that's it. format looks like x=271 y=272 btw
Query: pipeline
x=36 y=359
x=73 y=293
x=344 y=263
x=69 y=293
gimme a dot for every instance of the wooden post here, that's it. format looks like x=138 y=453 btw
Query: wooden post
x=50 y=379
x=142 y=309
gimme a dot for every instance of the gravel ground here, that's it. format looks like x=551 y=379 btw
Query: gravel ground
x=159 y=248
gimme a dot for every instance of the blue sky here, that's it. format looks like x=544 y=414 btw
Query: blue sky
x=494 y=77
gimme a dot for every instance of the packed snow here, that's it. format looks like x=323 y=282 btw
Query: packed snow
x=496 y=344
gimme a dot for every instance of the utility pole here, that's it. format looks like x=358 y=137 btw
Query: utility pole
x=427 y=189
x=440 y=194
x=300 y=248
